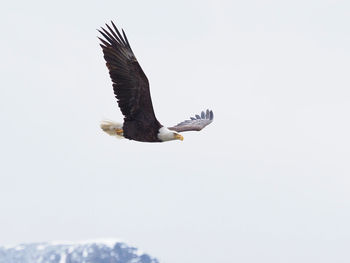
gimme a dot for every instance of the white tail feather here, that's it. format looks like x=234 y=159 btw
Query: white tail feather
x=111 y=127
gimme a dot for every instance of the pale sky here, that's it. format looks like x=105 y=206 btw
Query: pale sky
x=268 y=181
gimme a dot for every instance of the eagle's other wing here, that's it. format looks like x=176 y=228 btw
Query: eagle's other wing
x=195 y=123
x=130 y=83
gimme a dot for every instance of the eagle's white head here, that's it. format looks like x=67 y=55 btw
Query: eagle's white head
x=165 y=134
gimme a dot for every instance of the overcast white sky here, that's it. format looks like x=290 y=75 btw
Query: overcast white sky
x=268 y=181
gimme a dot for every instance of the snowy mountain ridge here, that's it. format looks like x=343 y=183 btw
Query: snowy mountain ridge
x=89 y=251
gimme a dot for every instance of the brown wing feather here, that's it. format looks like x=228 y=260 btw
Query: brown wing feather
x=130 y=83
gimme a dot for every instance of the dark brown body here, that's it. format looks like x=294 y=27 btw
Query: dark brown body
x=141 y=130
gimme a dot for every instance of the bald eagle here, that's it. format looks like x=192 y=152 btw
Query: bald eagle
x=131 y=88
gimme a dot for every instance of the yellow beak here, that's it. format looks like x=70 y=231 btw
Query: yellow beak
x=179 y=137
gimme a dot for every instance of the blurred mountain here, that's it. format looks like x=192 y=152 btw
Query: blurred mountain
x=101 y=251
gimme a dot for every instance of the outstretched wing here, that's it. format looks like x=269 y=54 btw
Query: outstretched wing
x=195 y=123
x=130 y=83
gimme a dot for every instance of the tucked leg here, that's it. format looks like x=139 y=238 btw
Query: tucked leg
x=119 y=132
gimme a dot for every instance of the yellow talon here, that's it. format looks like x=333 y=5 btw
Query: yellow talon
x=119 y=132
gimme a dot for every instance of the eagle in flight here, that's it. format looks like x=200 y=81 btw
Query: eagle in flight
x=131 y=88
